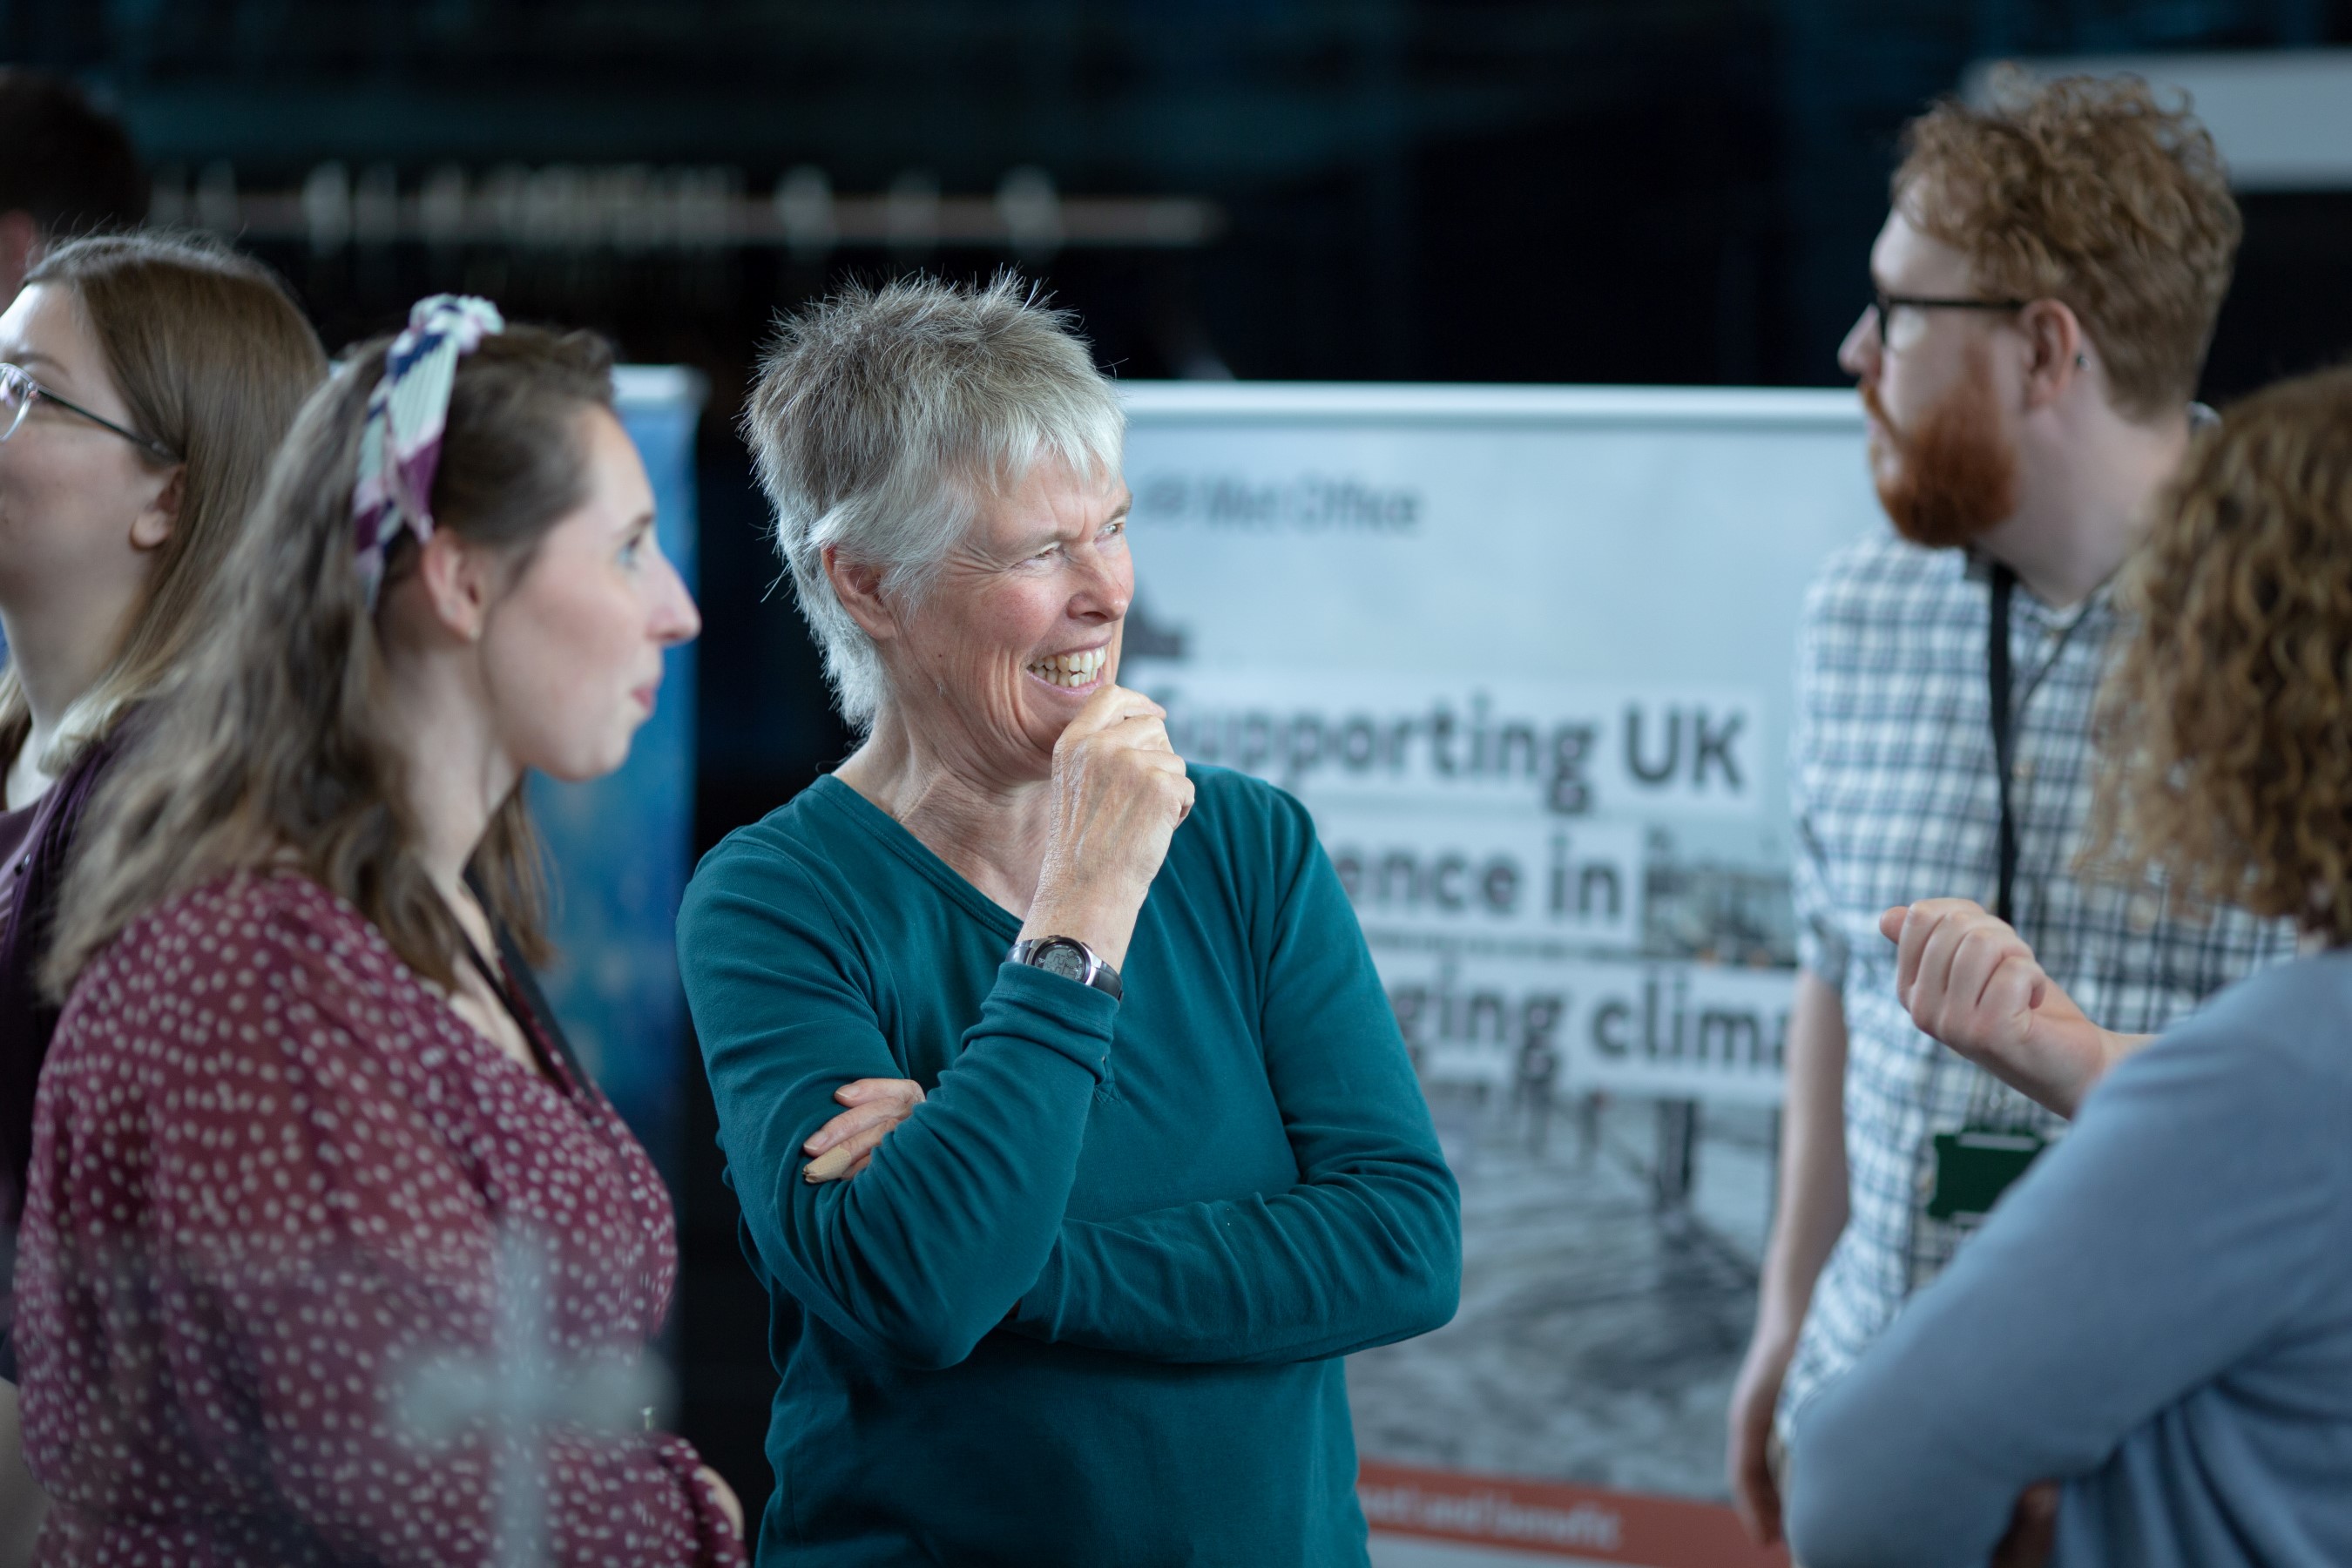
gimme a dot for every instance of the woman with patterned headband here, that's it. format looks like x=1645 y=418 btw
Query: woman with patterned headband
x=330 y=1256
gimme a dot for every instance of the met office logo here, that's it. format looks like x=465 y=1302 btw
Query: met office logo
x=1306 y=502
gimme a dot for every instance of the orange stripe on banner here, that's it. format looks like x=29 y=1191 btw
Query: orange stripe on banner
x=1546 y=1517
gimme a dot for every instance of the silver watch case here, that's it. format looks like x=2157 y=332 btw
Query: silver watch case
x=1069 y=958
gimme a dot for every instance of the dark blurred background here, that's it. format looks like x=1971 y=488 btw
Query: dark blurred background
x=1627 y=191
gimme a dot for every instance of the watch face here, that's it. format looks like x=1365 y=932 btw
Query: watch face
x=1066 y=959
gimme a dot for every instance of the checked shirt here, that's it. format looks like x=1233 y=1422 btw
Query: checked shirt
x=1892 y=785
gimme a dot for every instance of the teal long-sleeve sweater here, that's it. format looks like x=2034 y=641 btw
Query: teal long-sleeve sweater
x=1086 y=1305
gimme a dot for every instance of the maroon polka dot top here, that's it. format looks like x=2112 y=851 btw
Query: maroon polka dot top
x=268 y=1287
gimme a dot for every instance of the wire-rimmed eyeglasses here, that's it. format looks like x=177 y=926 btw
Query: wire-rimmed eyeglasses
x=1883 y=305
x=20 y=392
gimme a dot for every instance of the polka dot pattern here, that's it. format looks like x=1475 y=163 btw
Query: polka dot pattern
x=271 y=1168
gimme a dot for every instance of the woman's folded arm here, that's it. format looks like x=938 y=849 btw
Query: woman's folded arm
x=925 y=1252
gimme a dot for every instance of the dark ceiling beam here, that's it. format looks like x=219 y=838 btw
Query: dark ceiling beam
x=1221 y=136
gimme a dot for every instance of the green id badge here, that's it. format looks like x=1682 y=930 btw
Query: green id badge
x=1975 y=1165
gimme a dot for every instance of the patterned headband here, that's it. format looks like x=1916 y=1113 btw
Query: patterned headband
x=400 y=445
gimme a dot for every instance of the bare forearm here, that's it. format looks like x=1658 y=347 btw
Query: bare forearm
x=1811 y=1211
x=2061 y=1084
x=1806 y=1223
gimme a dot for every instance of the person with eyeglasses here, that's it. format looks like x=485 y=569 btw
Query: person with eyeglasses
x=2043 y=293
x=144 y=385
x=2160 y=1318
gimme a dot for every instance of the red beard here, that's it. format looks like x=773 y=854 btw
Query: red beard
x=1956 y=477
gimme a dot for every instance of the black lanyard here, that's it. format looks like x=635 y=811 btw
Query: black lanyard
x=518 y=983
x=2004 y=742
x=511 y=984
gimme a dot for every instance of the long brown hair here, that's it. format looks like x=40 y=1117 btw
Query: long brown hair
x=276 y=749
x=2227 y=718
x=212 y=358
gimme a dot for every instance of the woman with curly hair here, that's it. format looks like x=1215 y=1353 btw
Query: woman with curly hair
x=2158 y=1318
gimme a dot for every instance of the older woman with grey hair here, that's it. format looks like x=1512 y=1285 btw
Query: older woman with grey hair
x=1133 y=1151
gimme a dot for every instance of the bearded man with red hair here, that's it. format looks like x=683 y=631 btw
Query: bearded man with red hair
x=2043 y=293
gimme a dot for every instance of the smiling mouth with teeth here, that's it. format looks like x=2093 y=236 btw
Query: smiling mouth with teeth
x=1071 y=670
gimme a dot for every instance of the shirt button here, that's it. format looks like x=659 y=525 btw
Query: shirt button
x=2142 y=912
x=2022 y=769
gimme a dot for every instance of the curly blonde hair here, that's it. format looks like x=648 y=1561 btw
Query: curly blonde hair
x=2090 y=192
x=2227 y=719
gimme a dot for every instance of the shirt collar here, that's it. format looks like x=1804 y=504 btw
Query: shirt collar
x=1976 y=567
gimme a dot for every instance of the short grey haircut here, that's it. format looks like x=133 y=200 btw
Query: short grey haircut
x=883 y=418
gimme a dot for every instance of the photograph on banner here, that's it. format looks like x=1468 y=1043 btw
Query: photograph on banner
x=1610 y=1122
x=1437 y=871
x=1526 y=655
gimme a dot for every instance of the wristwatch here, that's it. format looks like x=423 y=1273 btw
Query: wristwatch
x=1069 y=958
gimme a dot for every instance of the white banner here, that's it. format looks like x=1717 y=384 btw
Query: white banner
x=1525 y=654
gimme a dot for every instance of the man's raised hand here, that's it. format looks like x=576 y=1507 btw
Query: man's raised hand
x=1968 y=980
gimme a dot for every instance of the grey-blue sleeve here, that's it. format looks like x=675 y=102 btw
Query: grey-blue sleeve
x=2195 y=1208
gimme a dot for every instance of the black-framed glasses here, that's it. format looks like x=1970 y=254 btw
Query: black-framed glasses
x=20 y=392
x=1883 y=305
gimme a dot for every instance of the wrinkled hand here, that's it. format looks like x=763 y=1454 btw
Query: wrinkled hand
x=1969 y=981
x=1754 y=1492
x=1120 y=791
x=2032 y=1529
x=845 y=1145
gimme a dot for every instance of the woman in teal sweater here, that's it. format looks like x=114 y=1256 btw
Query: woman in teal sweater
x=1133 y=1151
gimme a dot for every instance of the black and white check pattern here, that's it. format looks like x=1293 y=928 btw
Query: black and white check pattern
x=1892 y=785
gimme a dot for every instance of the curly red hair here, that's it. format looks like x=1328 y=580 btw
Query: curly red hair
x=2228 y=718
x=2090 y=192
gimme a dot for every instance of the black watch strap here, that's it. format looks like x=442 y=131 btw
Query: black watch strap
x=1069 y=958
